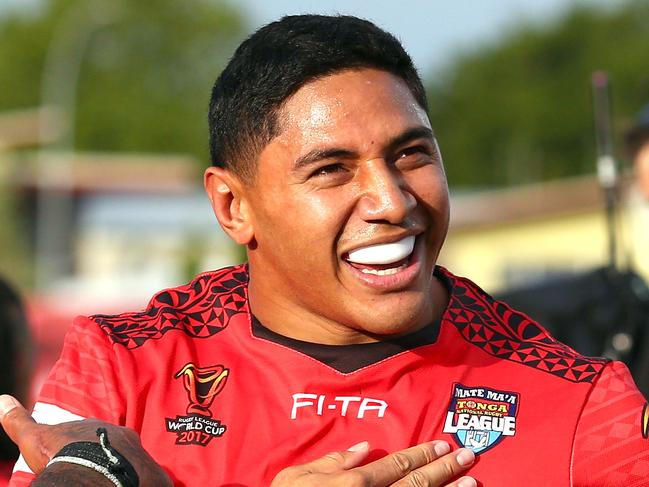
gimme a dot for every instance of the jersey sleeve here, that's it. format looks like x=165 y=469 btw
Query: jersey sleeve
x=82 y=384
x=610 y=446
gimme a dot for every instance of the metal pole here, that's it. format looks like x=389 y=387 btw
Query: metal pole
x=606 y=165
x=54 y=200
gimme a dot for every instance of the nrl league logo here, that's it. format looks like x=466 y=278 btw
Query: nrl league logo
x=202 y=385
x=479 y=418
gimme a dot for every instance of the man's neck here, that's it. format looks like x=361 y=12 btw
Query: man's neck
x=284 y=317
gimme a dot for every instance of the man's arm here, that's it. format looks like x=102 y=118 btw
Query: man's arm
x=38 y=443
x=69 y=474
x=611 y=447
x=430 y=464
x=83 y=383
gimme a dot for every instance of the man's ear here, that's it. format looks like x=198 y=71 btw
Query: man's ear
x=227 y=195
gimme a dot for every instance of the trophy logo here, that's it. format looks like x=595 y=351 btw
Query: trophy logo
x=202 y=385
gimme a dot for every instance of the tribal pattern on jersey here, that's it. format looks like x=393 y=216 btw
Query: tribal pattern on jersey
x=201 y=309
x=508 y=334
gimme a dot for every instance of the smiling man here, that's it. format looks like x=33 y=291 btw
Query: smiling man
x=354 y=193
x=341 y=328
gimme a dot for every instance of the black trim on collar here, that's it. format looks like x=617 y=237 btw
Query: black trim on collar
x=349 y=358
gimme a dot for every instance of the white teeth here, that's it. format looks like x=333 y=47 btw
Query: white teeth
x=383 y=253
x=384 y=272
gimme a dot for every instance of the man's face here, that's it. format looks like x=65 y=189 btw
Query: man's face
x=349 y=210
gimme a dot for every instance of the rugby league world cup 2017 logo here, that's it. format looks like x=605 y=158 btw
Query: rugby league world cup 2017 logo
x=202 y=385
x=479 y=418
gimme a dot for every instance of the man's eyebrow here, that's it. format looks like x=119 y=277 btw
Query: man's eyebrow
x=320 y=154
x=408 y=135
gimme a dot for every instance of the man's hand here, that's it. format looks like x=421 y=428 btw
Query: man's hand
x=429 y=464
x=38 y=443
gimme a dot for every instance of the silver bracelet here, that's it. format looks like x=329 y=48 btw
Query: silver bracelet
x=87 y=463
x=101 y=457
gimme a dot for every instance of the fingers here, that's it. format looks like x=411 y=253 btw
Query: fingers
x=447 y=467
x=464 y=482
x=23 y=431
x=429 y=464
x=426 y=464
x=339 y=460
x=395 y=466
x=323 y=470
x=14 y=418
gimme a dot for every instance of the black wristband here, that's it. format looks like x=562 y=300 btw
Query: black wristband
x=101 y=457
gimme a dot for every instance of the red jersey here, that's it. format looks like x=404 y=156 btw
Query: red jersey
x=220 y=400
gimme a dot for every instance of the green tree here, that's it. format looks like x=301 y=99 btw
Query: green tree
x=143 y=74
x=520 y=110
x=146 y=68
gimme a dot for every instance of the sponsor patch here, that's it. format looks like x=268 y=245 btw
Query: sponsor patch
x=479 y=418
x=644 y=421
x=202 y=385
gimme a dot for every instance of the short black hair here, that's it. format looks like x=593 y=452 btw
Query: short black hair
x=275 y=62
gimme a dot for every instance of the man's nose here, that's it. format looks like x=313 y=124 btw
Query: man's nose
x=385 y=195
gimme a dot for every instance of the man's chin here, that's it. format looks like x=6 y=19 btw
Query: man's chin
x=394 y=315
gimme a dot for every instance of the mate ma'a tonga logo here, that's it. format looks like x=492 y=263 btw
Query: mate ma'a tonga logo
x=202 y=385
x=479 y=418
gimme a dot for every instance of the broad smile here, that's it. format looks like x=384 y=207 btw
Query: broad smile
x=385 y=265
x=383 y=253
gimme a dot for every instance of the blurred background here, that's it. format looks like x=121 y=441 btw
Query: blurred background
x=103 y=140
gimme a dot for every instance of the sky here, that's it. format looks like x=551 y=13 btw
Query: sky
x=432 y=31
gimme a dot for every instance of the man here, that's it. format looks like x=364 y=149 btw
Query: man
x=341 y=328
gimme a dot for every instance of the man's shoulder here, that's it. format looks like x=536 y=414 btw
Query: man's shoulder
x=199 y=309
x=508 y=334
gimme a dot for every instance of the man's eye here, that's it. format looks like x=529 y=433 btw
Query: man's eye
x=327 y=170
x=414 y=150
x=414 y=157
